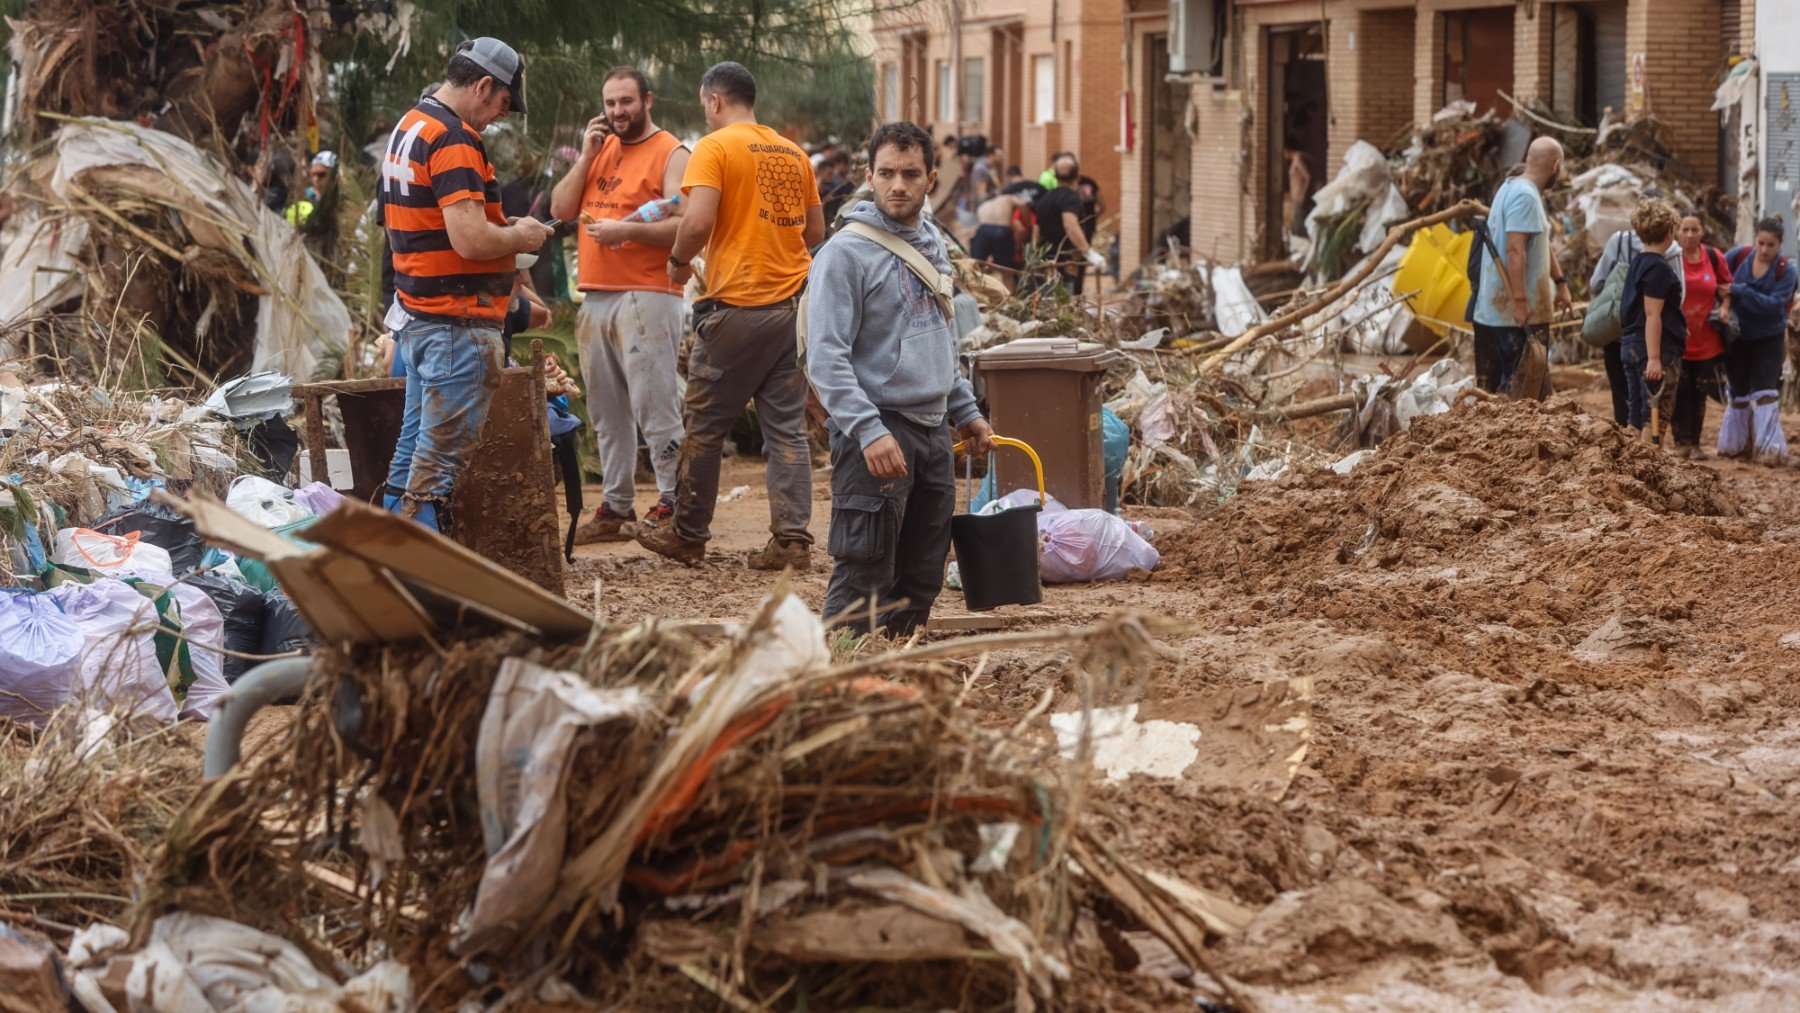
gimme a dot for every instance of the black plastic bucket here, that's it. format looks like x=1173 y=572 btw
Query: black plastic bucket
x=997 y=555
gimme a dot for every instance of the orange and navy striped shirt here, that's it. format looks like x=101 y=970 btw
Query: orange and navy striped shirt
x=434 y=160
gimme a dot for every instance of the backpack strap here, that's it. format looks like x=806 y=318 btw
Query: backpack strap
x=1736 y=258
x=936 y=282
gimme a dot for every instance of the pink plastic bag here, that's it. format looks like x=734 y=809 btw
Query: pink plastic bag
x=1083 y=545
x=318 y=497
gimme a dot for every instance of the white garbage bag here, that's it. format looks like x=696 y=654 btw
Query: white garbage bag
x=1019 y=498
x=202 y=624
x=114 y=555
x=199 y=964
x=40 y=648
x=118 y=667
x=1235 y=309
x=1084 y=545
x=264 y=502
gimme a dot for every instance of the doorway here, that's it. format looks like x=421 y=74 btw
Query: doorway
x=1298 y=133
x=1478 y=58
x=1168 y=152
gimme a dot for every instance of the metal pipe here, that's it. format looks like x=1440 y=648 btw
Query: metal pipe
x=259 y=687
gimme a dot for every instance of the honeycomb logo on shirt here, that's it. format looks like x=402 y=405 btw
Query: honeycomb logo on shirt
x=780 y=181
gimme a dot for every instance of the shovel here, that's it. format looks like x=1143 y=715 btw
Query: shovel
x=1532 y=376
x=1653 y=389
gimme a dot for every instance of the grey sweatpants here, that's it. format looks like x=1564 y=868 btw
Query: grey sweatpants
x=628 y=342
x=890 y=536
x=741 y=353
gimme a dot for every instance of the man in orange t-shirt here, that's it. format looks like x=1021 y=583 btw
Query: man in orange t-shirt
x=629 y=327
x=753 y=204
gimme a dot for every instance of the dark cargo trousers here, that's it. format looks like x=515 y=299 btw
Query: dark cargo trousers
x=890 y=536
x=740 y=353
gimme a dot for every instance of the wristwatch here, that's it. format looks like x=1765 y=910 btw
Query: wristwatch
x=678 y=265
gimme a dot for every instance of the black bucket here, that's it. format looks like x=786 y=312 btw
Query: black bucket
x=997 y=554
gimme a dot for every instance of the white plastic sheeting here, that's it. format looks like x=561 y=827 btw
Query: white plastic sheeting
x=299 y=319
x=1365 y=176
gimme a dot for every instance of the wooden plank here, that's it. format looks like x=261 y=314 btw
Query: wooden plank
x=428 y=559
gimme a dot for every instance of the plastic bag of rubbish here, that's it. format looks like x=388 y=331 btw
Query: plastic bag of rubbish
x=318 y=498
x=197 y=963
x=160 y=526
x=284 y=629
x=118 y=667
x=242 y=612
x=126 y=555
x=264 y=502
x=203 y=624
x=1083 y=545
x=1235 y=308
x=1019 y=498
x=39 y=650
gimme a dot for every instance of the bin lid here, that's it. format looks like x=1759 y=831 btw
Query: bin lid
x=1048 y=353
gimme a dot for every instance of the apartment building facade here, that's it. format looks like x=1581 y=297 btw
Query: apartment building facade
x=1197 y=110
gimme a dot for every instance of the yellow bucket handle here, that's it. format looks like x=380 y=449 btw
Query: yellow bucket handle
x=1007 y=441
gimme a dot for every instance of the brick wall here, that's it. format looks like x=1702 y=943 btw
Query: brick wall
x=1670 y=60
x=1532 y=38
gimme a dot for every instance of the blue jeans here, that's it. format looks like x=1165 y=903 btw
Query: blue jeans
x=452 y=372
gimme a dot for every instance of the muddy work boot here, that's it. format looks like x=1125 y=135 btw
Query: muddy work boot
x=665 y=541
x=780 y=555
x=605 y=526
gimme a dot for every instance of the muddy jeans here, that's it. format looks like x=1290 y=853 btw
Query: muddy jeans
x=890 y=536
x=628 y=343
x=1643 y=392
x=744 y=352
x=452 y=373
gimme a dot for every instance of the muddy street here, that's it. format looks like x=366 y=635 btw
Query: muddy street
x=1554 y=745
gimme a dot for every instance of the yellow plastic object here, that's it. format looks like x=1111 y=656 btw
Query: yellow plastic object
x=1434 y=267
x=1003 y=441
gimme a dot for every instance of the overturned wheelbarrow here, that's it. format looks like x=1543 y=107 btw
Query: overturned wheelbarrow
x=997 y=553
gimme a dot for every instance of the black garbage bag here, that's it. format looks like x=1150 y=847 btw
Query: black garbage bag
x=284 y=629
x=245 y=614
x=160 y=526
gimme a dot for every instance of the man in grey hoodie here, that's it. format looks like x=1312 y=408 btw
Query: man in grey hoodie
x=882 y=357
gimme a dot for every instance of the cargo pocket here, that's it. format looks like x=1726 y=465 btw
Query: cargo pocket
x=859 y=528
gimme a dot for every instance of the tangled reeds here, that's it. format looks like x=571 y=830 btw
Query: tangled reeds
x=752 y=818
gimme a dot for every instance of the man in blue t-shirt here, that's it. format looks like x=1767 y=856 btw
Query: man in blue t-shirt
x=1521 y=283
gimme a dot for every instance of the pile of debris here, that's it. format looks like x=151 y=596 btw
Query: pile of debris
x=1454 y=156
x=632 y=813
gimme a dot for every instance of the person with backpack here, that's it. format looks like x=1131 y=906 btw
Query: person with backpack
x=1762 y=289
x=1521 y=284
x=882 y=355
x=1605 y=286
x=1653 y=329
x=1706 y=302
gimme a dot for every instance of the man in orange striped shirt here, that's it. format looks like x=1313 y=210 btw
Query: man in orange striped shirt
x=453 y=271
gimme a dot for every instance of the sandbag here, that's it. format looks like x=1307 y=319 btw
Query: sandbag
x=118 y=666
x=1083 y=545
x=284 y=629
x=40 y=648
x=264 y=502
x=160 y=526
x=242 y=613
x=114 y=555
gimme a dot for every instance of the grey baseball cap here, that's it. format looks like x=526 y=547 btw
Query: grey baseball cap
x=500 y=60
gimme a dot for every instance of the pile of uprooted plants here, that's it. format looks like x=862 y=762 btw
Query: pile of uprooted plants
x=645 y=819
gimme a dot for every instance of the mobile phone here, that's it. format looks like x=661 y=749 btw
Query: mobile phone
x=553 y=224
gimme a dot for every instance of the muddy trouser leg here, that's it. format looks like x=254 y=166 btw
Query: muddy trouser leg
x=1698 y=382
x=781 y=412
x=1497 y=351
x=459 y=370
x=1668 y=391
x=652 y=339
x=924 y=537
x=597 y=337
x=727 y=366
x=1615 y=381
x=866 y=515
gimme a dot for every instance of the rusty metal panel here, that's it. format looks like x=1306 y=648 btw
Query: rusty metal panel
x=504 y=506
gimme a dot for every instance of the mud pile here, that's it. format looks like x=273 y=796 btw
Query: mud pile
x=1446 y=483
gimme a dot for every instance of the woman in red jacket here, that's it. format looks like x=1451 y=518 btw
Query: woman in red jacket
x=1708 y=287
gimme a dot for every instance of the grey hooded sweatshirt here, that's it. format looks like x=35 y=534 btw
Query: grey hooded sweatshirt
x=876 y=339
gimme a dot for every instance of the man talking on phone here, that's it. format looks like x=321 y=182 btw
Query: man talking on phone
x=629 y=327
x=453 y=271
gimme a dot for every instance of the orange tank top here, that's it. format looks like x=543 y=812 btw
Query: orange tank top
x=622 y=178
